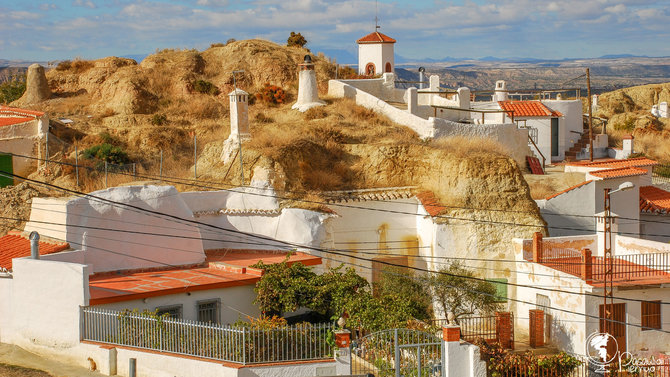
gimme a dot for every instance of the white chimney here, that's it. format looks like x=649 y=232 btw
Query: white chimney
x=501 y=91
x=239 y=114
x=663 y=110
x=308 y=94
x=628 y=145
x=600 y=231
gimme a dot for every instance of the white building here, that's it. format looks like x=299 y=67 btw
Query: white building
x=642 y=209
x=563 y=276
x=21 y=131
x=375 y=54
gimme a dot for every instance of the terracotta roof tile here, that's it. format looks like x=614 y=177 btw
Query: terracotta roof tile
x=8 y=121
x=17 y=111
x=222 y=269
x=612 y=163
x=618 y=173
x=430 y=203
x=527 y=109
x=376 y=37
x=17 y=245
x=654 y=200
x=570 y=189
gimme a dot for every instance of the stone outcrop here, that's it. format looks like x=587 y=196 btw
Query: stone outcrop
x=37 y=87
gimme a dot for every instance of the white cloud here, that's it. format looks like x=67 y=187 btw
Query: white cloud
x=84 y=4
x=213 y=3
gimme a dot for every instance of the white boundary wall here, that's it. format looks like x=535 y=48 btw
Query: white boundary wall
x=370 y=94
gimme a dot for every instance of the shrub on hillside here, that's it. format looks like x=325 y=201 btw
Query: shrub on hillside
x=205 y=87
x=272 y=94
x=12 y=89
x=107 y=152
x=216 y=45
x=158 y=119
x=296 y=39
x=64 y=65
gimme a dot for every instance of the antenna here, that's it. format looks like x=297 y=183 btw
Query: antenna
x=376 y=18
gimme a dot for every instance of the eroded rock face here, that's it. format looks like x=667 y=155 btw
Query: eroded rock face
x=37 y=87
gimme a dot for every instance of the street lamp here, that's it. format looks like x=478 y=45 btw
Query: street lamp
x=607 y=258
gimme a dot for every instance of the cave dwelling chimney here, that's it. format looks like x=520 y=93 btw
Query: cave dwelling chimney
x=628 y=146
x=34 y=245
x=501 y=91
x=239 y=114
x=308 y=95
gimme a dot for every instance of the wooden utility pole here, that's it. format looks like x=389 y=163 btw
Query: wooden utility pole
x=588 y=89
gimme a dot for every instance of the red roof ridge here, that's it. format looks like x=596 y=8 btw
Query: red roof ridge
x=527 y=108
x=19 y=111
x=430 y=203
x=376 y=37
x=627 y=171
x=570 y=189
x=654 y=200
x=628 y=162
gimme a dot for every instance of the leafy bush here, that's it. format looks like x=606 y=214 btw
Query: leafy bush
x=502 y=362
x=231 y=40
x=216 y=45
x=296 y=39
x=627 y=125
x=64 y=65
x=78 y=65
x=272 y=94
x=13 y=89
x=205 y=87
x=158 y=119
x=107 y=152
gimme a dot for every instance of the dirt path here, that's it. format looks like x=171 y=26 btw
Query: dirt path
x=15 y=356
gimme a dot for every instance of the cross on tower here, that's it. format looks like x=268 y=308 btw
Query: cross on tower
x=376 y=18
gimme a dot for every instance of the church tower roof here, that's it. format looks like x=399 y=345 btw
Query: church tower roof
x=376 y=37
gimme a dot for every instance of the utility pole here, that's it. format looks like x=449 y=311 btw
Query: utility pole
x=588 y=89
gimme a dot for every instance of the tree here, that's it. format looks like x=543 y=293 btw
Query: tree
x=284 y=287
x=12 y=89
x=456 y=290
x=296 y=39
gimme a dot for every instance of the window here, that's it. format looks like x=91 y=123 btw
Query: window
x=173 y=311
x=208 y=311
x=501 y=289
x=651 y=315
x=388 y=68
x=370 y=69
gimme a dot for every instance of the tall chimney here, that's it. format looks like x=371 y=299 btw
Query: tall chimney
x=34 y=245
x=308 y=95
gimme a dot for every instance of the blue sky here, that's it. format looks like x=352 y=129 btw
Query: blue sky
x=551 y=29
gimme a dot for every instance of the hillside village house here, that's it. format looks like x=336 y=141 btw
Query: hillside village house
x=375 y=54
x=641 y=282
x=20 y=132
x=643 y=210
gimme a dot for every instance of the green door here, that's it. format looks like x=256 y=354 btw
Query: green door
x=6 y=167
x=554 y=136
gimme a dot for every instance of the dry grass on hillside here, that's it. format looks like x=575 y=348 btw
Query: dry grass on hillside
x=543 y=186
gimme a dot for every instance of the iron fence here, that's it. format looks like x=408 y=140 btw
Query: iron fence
x=233 y=344
x=660 y=174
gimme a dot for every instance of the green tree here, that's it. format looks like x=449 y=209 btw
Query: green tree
x=284 y=287
x=456 y=290
x=296 y=39
x=12 y=89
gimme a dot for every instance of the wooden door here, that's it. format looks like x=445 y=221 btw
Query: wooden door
x=554 y=136
x=617 y=327
x=6 y=166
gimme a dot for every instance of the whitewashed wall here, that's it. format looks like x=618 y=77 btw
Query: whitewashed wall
x=118 y=249
x=235 y=303
x=571 y=213
x=655 y=227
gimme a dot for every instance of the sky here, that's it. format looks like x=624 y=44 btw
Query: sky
x=543 y=29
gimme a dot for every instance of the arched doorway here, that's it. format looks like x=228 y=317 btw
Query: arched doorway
x=388 y=67
x=370 y=69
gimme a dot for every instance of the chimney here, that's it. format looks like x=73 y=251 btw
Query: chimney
x=663 y=110
x=308 y=94
x=501 y=91
x=600 y=231
x=628 y=145
x=34 y=245
x=239 y=114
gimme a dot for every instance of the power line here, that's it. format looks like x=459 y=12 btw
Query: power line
x=177 y=218
x=232 y=188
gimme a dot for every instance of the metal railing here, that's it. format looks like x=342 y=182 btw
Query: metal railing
x=233 y=344
x=660 y=174
x=566 y=260
x=486 y=328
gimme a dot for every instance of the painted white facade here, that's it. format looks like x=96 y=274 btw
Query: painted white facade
x=378 y=54
x=578 y=317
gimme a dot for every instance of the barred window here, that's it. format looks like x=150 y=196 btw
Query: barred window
x=208 y=311
x=173 y=311
x=651 y=315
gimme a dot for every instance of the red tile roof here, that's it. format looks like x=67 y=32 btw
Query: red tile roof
x=8 y=121
x=17 y=111
x=376 y=37
x=613 y=163
x=527 y=109
x=224 y=268
x=570 y=189
x=618 y=172
x=654 y=200
x=17 y=245
x=430 y=203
